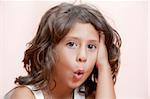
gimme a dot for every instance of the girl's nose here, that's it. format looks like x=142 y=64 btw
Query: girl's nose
x=82 y=57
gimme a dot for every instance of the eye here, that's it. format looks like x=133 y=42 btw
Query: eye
x=71 y=44
x=91 y=46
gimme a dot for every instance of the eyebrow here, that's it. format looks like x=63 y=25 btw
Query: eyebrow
x=77 y=38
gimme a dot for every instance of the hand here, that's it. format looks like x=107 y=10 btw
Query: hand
x=105 y=85
x=102 y=56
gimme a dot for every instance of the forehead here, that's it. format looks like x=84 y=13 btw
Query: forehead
x=83 y=31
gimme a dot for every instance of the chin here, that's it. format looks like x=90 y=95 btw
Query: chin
x=76 y=84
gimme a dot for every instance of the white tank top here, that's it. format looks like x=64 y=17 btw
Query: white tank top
x=39 y=94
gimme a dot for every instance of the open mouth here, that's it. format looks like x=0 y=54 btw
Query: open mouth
x=78 y=74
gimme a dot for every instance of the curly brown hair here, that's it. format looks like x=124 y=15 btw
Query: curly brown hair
x=40 y=56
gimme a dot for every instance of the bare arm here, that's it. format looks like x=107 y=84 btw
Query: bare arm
x=105 y=86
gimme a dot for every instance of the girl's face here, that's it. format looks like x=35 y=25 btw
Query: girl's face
x=77 y=53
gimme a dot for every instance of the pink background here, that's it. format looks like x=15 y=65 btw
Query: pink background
x=19 y=22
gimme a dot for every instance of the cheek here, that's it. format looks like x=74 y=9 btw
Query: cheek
x=92 y=58
x=65 y=58
x=91 y=61
x=67 y=55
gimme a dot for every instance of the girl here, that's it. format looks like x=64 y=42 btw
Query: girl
x=74 y=55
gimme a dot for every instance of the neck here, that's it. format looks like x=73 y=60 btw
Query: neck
x=60 y=91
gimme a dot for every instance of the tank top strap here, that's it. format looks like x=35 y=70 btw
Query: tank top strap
x=37 y=93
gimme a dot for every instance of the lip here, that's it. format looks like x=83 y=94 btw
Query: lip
x=78 y=74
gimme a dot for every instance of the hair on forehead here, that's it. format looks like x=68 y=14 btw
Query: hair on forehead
x=63 y=17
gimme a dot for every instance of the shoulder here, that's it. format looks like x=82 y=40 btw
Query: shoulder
x=20 y=92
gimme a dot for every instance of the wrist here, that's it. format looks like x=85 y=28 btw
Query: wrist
x=105 y=71
x=104 y=66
